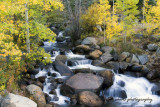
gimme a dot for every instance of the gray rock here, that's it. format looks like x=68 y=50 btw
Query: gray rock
x=98 y=63
x=139 y=36
x=37 y=94
x=12 y=100
x=123 y=56
x=136 y=68
x=62 y=68
x=61 y=58
x=106 y=57
x=89 y=41
x=82 y=82
x=134 y=59
x=144 y=70
x=113 y=65
x=158 y=51
x=143 y=59
x=152 y=47
x=155 y=38
x=107 y=49
x=89 y=99
x=124 y=65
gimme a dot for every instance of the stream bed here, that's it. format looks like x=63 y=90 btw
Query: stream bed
x=126 y=91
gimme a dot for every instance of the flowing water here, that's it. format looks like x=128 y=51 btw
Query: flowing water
x=126 y=91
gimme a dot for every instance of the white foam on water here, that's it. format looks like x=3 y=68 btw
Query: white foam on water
x=71 y=55
x=55 y=54
x=138 y=91
x=80 y=64
x=62 y=99
x=41 y=73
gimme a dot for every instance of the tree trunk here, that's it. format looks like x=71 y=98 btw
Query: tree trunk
x=27 y=24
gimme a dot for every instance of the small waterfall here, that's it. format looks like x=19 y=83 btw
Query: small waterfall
x=41 y=73
x=132 y=90
x=71 y=55
x=80 y=64
x=60 y=34
x=62 y=100
x=55 y=53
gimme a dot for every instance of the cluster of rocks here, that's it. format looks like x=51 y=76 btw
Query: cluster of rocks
x=83 y=85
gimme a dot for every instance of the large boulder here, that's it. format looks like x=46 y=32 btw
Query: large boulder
x=143 y=59
x=95 y=54
x=82 y=49
x=108 y=78
x=82 y=82
x=152 y=47
x=89 y=99
x=123 y=56
x=12 y=100
x=61 y=58
x=37 y=95
x=106 y=57
x=62 y=68
x=89 y=41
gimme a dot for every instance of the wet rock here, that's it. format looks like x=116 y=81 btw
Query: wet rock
x=123 y=56
x=107 y=49
x=143 y=59
x=82 y=82
x=62 y=68
x=48 y=98
x=12 y=100
x=55 y=105
x=61 y=58
x=125 y=66
x=152 y=47
x=34 y=72
x=116 y=92
x=82 y=49
x=156 y=89
x=106 y=57
x=42 y=79
x=59 y=80
x=83 y=70
x=36 y=93
x=38 y=83
x=113 y=65
x=89 y=41
x=73 y=102
x=152 y=75
x=59 y=39
x=53 y=92
x=136 y=68
x=53 y=85
x=89 y=99
x=95 y=54
x=131 y=74
x=134 y=59
x=108 y=78
x=144 y=70
x=121 y=83
x=98 y=63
